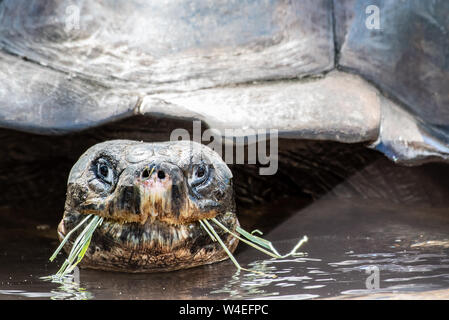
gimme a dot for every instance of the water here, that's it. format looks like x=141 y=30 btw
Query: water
x=351 y=235
x=325 y=270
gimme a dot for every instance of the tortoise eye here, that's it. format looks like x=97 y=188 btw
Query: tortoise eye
x=200 y=174
x=105 y=171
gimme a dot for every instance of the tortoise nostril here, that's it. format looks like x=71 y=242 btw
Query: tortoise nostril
x=161 y=174
x=146 y=173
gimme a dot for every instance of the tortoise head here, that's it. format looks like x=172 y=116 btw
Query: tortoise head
x=152 y=197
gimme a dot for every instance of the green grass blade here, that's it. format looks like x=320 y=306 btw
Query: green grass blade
x=222 y=244
x=208 y=232
x=260 y=241
x=257 y=231
x=83 y=245
x=267 y=244
x=80 y=246
x=80 y=257
x=231 y=256
x=298 y=245
x=67 y=237
x=80 y=236
x=80 y=240
x=254 y=245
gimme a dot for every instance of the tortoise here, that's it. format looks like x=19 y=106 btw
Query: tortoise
x=152 y=196
x=335 y=90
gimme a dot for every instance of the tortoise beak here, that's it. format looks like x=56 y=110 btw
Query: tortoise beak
x=162 y=193
x=61 y=230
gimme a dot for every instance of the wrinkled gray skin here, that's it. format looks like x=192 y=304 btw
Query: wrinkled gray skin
x=152 y=196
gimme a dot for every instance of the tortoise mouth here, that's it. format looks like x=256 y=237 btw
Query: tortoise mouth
x=153 y=246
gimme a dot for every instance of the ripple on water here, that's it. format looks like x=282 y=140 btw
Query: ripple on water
x=401 y=271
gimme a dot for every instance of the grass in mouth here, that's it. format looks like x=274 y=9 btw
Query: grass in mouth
x=82 y=243
x=254 y=241
x=79 y=247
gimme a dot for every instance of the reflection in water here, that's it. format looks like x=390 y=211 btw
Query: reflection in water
x=245 y=284
x=69 y=288
x=22 y=293
x=312 y=278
